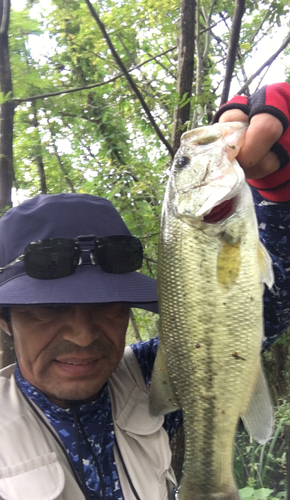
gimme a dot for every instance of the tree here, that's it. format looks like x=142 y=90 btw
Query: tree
x=101 y=108
x=6 y=109
x=6 y=137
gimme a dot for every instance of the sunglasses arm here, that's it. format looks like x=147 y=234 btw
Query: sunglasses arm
x=19 y=259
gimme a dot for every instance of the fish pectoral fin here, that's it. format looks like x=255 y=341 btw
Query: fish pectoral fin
x=258 y=418
x=265 y=264
x=161 y=396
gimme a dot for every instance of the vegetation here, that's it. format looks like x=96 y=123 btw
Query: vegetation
x=260 y=470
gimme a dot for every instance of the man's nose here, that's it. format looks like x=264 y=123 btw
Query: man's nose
x=81 y=327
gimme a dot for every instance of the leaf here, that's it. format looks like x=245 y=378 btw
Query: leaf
x=246 y=493
x=250 y=493
x=246 y=46
x=263 y=493
x=5 y=98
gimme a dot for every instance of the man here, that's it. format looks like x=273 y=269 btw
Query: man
x=74 y=422
x=67 y=280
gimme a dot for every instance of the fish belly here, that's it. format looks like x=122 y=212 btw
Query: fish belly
x=210 y=301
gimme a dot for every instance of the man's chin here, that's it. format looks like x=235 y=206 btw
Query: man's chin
x=60 y=392
x=66 y=399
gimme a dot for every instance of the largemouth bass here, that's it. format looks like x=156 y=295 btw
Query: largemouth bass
x=211 y=269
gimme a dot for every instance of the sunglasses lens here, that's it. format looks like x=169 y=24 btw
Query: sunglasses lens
x=51 y=259
x=119 y=254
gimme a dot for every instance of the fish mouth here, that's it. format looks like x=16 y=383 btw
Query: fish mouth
x=221 y=212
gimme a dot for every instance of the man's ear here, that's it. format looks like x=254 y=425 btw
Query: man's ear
x=5 y=321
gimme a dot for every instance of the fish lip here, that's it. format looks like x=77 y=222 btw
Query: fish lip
x=221 y=212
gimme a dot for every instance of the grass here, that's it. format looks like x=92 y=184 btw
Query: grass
x=260 y=470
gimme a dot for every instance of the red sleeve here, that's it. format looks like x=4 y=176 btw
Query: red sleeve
x=237 y=102
x=273 y=99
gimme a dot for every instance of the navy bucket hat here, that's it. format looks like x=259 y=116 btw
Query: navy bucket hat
x=67 y=216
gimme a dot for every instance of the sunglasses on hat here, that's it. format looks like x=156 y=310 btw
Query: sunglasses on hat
x=59 y=257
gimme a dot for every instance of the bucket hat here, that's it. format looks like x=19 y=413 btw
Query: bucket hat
x=67 y=216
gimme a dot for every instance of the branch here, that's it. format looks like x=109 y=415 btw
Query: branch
x=38 y=151
x=267 y=63
x=259 y=27
x=201 y=59
x=208 y=29
x=59 y=160
x=92 y=86
x=95 y=85
x=232 y=50
x=129 y=78
x=173 y=76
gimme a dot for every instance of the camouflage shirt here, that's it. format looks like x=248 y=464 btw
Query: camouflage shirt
x=274 y=228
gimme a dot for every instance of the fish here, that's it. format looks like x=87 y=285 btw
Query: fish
x=211 y=272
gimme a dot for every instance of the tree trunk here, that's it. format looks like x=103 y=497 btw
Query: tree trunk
x=6 y=143
x=38 y=151
x=6 y=110
x=233 y=47
x=185 y=69
x=135 y=326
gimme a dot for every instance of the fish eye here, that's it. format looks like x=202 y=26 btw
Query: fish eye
x=182 y=161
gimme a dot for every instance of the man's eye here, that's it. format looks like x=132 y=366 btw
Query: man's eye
x=48 y=312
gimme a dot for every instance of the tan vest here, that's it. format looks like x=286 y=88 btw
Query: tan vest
x=33 y=465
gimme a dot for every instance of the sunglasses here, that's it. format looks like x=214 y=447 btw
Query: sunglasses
x=59 y=257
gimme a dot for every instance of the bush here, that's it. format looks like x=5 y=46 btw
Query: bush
x=262 y=468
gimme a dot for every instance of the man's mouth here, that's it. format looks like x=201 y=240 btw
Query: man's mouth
x=77 y=362
x=77 y=367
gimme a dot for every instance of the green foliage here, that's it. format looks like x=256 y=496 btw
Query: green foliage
x=5 y=98
x=248 y=493
x=99 y=140
x=101 y=134
x=260 y=470
x=276 y=363
x=147 y=326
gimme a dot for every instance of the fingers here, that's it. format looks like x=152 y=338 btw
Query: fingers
x=233 y=115
x=255 y=156
x=263 y=131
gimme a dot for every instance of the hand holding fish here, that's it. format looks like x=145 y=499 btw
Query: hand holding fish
x=255 y=156
x=265 y=154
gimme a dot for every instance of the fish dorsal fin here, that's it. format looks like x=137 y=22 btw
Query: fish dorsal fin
x=161 y=396
x=265 y=265
x=258 y=417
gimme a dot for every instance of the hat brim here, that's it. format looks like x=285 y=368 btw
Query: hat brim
x=88 y=283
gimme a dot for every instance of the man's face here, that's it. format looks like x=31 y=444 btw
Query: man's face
x=69 y=352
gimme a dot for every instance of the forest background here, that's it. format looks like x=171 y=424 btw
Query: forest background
x=95 y=96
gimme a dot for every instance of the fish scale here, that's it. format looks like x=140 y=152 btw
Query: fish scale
x=210 y=303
